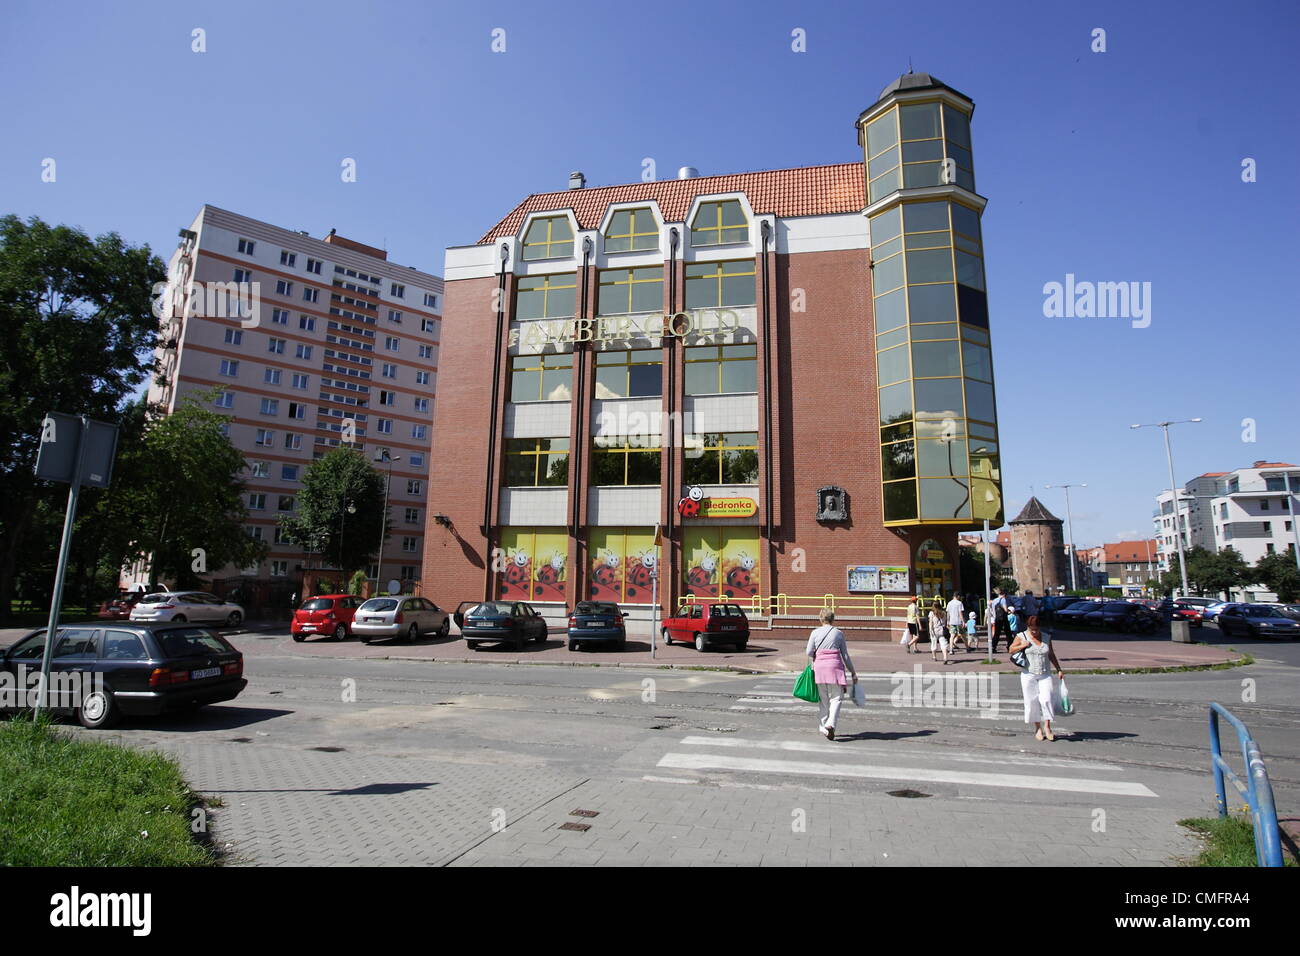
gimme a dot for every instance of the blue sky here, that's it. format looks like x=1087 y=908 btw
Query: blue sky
x=1115 y=166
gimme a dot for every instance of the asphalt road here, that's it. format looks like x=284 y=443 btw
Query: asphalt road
x=338 y=761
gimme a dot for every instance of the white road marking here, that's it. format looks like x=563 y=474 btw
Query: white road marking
x=699 y=761
x=667 y=779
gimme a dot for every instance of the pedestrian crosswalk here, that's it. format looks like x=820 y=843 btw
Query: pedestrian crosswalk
x=713 y=756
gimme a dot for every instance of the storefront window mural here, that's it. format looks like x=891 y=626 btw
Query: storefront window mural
x=622 y=560
x=721 y=562
x=533 y=564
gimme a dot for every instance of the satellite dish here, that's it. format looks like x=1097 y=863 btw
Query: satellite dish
x=394 y=586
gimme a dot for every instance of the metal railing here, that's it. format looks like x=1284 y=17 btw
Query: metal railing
x=1256 y=789
x=797 y=605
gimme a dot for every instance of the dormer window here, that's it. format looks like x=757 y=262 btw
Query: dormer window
x=632 y=230
x=550 y=237
x=717 y=223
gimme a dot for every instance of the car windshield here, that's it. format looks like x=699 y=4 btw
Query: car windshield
x=1260 y=612
x=191 y=641
x=491 y=609
x=595 y=607
x=378 y=604
x=318 y=604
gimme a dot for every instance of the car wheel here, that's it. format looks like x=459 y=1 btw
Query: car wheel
x=446 y=627
x=234 y=619
x=412 y=633
x=699 y=642
x=472 y=645
x=520 y=642
x=668 y=641
x=299 y=637
x=341 y=633
x=97 y=710
x=179 y=619
x=740 y=648
x=573 y=645
x=541 y=636
x=622 y=645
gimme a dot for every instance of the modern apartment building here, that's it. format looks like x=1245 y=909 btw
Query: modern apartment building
x=309 y=343
x=1191 y=514
x=789 y=372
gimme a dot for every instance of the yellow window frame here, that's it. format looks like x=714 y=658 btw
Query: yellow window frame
x=700 y=234
x=537 y=453
x=633 y=234
x=547 y=284
x=717 y=273
x=550 y=240
x=630 y=280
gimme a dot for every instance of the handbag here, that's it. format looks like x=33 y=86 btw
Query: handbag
x=805 y=687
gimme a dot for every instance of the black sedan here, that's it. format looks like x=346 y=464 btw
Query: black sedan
x=100 y=671
x=506 y=622
x=1123 y=616
x=1256 y=620
x=1076 y=614
x=597 y=622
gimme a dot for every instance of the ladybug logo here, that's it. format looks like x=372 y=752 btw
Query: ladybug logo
x=699 y=579
x=605 y=577
x=740 y=579
x=689 y=506
x=516 y=575
x=550 y=583
x=638 y=574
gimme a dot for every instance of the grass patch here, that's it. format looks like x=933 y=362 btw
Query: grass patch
x=71 y=802
x=1229 y=841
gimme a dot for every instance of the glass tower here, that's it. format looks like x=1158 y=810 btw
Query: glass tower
x=938 y=420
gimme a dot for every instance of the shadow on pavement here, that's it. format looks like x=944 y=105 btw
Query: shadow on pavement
x=212 y=717
x=886 y=734
x=1092 y=735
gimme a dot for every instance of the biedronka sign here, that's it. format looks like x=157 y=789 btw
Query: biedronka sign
x=618 y=328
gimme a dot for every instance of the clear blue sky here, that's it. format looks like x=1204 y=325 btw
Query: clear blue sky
x=1115 y=166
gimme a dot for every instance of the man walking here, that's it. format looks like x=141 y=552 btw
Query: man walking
x=1029 y=609
x=1001 y=622
x=956 y=622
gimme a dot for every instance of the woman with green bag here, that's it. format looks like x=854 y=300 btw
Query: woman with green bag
x=830 y=666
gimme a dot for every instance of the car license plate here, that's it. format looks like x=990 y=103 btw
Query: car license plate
x=206 y=672
x=309 y=627
x=375 y=620
x=597 y=624
x=727 y=627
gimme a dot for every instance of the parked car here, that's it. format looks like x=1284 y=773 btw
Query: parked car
x=597 y=622
x=1290 y=610
x=1212 y=611
x=707 y=624
x=405 y=617
x=183 y=607
x=1197 y=601
x=1075 y=615
x=119 y=608
x=1191 y=613
x=324 y=614
x=1123 y=616
x=99 y=671
x=506 y=622
x=1256 y=620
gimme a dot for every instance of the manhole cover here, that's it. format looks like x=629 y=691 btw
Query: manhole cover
x=580 y=827
x=327 y=750
x=239 y=740
x=908 y=794
x=584 y=813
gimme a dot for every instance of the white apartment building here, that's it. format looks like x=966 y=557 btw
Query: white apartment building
x=1192 y=518
x=310 y=343
x=1256 y=509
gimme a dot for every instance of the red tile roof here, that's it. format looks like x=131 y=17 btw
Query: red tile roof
x=1121 y=551
x=806 y=191
x=1273 y=464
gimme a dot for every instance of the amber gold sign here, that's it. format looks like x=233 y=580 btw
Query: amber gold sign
x=624 y=327
x=728 y=507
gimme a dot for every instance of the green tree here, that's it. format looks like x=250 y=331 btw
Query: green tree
x=78 y=331
x=1278 y=573
x=1220 y=573
x=322 y=522
x=177 y=498
x=971 y=569
x=1007 y=585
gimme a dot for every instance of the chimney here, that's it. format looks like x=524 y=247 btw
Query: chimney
x=688 y=172
x=577 y=180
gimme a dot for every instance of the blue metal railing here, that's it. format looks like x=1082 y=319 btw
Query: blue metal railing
x=1257 y=790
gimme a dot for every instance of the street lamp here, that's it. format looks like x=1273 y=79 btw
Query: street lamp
x=1069 y=522
x=381 y=457
x=1169 y=455
x=349 y=508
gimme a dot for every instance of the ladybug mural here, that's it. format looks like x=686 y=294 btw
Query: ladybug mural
x=639 y=568
x=605 y=583
x=514 y=580
x=550 y=580
x=700 y=579
x=740 y=581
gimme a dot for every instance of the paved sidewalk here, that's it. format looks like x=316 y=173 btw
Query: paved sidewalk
x=1076 y=653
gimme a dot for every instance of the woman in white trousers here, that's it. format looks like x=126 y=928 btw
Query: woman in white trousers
x=1036 y=679
x=831 y=667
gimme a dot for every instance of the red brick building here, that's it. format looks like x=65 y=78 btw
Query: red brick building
x=710 y=355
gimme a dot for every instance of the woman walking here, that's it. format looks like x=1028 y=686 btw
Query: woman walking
x=938 y=634
x=913 y=630
x=831 y=665
x=1036 y=679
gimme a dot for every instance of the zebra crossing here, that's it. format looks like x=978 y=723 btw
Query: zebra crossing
x=722 y=759
x=935 y=695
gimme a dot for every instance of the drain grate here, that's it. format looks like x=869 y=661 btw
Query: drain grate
x=908 y=794
x=1001 y=733
x=328 y=750
x=580 y=827
x=584 y=813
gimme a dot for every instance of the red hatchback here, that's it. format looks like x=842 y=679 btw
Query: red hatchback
x=1189 y=613
x=325 y=614
x=706 y=624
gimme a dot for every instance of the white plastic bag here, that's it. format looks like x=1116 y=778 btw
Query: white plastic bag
x=1062 y=705
x=904 y=638
x=859 y=695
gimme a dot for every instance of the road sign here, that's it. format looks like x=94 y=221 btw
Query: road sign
x=62 y=440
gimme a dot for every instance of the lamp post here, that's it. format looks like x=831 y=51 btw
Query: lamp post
x=348 y=508
x=1169 y=456
x=383 y=456
x=1069 y=523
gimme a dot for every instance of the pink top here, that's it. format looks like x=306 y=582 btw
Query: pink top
x=830 y=655
x=828 y=668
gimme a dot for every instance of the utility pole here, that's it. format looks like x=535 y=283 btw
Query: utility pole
x=1178 y=531
x=1069 y=521
x=383 y=456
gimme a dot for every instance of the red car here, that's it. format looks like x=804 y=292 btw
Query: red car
x=325 y=614
x=119 y=608
x=1189 y=613
x=706 y=624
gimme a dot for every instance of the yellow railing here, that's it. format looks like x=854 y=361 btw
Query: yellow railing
x=794 y=605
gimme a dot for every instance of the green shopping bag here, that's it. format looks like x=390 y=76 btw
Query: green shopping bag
x=805 y=688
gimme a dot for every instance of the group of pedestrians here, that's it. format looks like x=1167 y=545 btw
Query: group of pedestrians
x=1030 y=648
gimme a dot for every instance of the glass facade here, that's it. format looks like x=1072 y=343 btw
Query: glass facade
x=938 y=421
